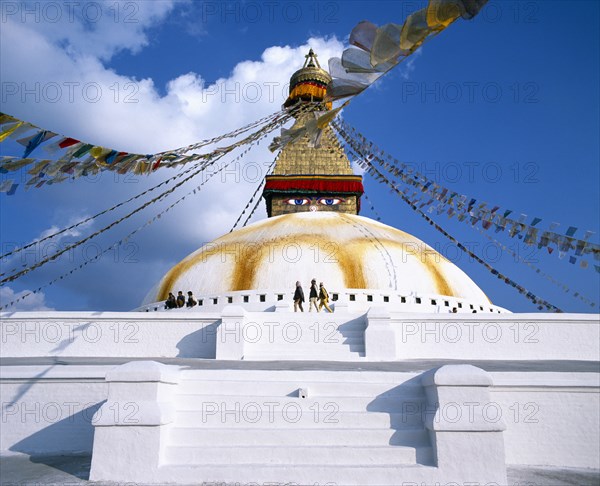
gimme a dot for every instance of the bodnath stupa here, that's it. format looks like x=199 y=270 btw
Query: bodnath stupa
x=314 y=230
x=391 y=388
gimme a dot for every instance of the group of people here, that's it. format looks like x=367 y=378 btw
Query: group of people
x=315 y=295
x=173 y=302
x=318 y=298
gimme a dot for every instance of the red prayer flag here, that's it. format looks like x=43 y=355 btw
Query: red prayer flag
x=67 y=142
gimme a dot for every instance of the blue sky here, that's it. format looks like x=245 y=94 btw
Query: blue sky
x=504 y=108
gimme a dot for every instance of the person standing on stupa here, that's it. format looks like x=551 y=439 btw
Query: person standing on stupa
x=298 y=297
x=314 y=295
x=323 y=298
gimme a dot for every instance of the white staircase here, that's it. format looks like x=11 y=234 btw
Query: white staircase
x=296 y=336
x=244 y=426
x=247 y=425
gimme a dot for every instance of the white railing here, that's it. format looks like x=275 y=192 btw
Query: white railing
x=353 y=300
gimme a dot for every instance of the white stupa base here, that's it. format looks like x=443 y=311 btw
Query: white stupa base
x=184 y=420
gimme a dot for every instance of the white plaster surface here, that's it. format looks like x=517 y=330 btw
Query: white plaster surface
x=274 y=335
x=117 y=334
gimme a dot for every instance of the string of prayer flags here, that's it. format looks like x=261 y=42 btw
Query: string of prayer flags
x=130 y=235
x=377 y=216
x=374 y=50
x=474 y=211
x=313 y=128
x=539 y=271
x=540 y=302
x=79 y=158
x=252 y=138
x=254 y=195
x=9 y=128
x=9 y=187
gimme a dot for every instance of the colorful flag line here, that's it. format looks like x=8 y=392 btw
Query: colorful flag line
x=468 y=209
x=255 y=136
x=82 y=158
x=129 y=235
x=540 y=302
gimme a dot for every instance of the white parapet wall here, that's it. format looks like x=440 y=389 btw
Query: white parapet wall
x=49 y=409
x=195 y=334
x=109 y=334
x=551 y=418
x=131 y=426
x=467 y=446
x=495 y=337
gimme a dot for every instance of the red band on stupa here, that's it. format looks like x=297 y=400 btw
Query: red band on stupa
x=320 y=184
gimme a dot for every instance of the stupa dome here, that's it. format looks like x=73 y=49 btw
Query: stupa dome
x=344 y=251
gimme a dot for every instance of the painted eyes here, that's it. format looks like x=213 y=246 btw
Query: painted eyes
x=329 y=201
x=325 y=201
x=301 y=201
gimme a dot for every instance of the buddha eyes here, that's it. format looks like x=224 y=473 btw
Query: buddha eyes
x=325 y=201
x=302 y=201
x=329 y=201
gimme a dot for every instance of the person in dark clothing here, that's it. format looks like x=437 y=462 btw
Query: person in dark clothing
x=298 y=298
x=171 y=302
x=191 y=302
x=180 y=299
x=314 y=295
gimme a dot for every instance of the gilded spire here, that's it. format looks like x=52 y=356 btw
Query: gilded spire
x=309 y=176
x=311 y=59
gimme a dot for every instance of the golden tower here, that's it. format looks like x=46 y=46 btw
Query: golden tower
x=312 y=176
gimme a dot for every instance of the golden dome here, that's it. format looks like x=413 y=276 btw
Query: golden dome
x=342 y=250
x=308 y=83
x=310 y=72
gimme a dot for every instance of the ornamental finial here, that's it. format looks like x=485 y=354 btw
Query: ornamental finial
x=311 y=59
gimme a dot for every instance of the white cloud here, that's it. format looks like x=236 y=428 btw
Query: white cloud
x=34 y=302
x=71 y=233
x=189 y=111
x=99 y=28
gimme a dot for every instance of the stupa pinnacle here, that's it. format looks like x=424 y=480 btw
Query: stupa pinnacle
x=309 y=176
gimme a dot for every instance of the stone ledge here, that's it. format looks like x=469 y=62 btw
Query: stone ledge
x=457 y=375
x=144 y=371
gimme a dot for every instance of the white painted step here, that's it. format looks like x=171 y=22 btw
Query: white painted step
x=327 y=416
x=305 y=474
x=291 y=455
x=290 y=388
x=250 y=436
x=406 y=403
x=339 y=357
x=331 y=339
x=316 y=352
x=328 y=333
x=394 y=378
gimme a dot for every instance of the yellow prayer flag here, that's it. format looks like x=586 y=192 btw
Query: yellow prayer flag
x=8 y=130
x=4 y=118
x=326 y=119
x=415 y=30
x=441 y=13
